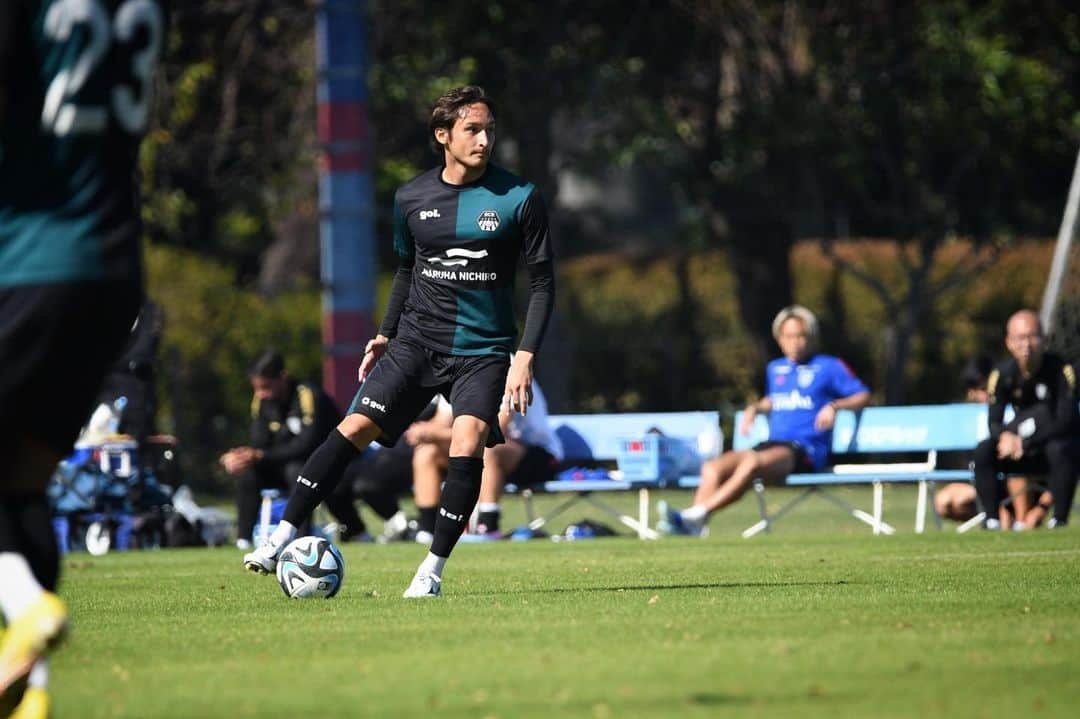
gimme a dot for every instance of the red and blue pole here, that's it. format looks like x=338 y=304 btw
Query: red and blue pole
x=346 y=193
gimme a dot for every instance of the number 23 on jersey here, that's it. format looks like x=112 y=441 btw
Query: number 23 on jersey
x=117 y=53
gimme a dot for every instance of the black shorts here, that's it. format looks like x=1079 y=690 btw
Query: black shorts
x=406 y=378
x=802 y=459
x=536 y=466
x=57 y=341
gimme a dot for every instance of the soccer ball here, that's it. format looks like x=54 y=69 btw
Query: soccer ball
x=310 y=567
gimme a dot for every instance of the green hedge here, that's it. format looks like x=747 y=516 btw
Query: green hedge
x=213 y=331
x=618 y=314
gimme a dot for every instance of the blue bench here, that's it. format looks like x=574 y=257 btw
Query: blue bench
x=925 y=429
x=592 y=439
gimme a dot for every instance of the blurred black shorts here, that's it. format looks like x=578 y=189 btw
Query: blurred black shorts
x=802 y=459
x=57 y=341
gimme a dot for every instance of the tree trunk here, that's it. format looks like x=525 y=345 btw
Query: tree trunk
x=760 y=259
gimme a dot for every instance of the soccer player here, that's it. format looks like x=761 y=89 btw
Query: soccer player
x=75 y=83
x=459 y=230
x=804 y=391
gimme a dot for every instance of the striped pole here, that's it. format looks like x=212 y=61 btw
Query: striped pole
x=346 y=193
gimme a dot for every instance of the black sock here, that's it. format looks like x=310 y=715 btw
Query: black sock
x=1062 y=477
x=426 y=522
x=320 y=474
x=489 y=521
x=41 y=551
x=459 y=495
x=26 y=529
x=9 y=541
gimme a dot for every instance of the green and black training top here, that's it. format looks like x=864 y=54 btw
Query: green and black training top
x=75 y=81
x=461 y=244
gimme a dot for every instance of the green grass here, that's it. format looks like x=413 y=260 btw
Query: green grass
x=818 y=619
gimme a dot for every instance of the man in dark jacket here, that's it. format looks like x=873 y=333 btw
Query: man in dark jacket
x=289 y=419
x=1041 y=438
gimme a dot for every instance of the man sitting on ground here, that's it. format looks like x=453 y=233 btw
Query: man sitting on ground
x=956 y=500
x=1042 y=436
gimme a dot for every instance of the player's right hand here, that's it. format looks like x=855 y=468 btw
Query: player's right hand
x=747 y=422
x=372 y=352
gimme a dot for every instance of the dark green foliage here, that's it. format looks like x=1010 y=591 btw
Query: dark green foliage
x=708 y=129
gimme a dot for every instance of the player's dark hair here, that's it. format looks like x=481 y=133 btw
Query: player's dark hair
x=448 y=109
x=269 y=365
x=975 y=372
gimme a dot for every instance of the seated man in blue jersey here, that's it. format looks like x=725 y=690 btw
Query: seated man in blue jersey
x=804 y=391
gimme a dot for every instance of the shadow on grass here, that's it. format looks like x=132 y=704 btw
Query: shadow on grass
x=658 y=587
x=814 y=693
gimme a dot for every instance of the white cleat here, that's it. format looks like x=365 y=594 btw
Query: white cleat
x=263 y=560
x=424 y=586
x=394 y=529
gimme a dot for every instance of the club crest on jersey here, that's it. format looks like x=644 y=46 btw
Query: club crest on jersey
x=488 y=220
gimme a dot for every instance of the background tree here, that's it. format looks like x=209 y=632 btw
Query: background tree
x=949 y=120
x=231 y=166
x=687 y=149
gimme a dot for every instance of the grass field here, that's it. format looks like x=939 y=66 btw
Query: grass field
x=817 y=619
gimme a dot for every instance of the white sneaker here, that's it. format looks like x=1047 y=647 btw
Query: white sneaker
x=672 y=521
x=263 y=560
x=424 y=586
x=394 y=529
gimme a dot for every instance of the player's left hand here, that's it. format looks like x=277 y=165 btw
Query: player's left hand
x=238 y=459
x=1010 y=446
x=825 y=418
x=518 y=393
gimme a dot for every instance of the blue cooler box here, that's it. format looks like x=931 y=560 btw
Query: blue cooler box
x=656 y=457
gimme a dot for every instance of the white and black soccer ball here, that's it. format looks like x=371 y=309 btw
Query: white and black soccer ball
x=310 y=568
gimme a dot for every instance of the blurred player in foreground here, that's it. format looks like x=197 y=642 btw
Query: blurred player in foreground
x=75 y=81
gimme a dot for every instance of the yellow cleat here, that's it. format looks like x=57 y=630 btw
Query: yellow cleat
x=29 y=637
x=34 y=705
